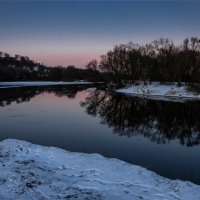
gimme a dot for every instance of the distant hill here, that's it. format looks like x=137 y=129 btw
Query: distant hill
x=22 y=68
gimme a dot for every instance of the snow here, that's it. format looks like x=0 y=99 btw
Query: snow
x=159 y=90
x=40 y=83
x=93 y=89
x=30 y=171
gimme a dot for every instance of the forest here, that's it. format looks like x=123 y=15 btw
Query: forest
x=160 y=60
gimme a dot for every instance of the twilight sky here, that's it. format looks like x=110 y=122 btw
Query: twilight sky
x=67 y=32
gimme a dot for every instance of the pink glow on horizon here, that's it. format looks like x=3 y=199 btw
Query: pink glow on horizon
x=65 y=60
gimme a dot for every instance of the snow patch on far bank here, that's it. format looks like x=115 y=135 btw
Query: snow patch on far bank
x=157 y=89
x=40 y=83
x=91 y=89
x=31 y=171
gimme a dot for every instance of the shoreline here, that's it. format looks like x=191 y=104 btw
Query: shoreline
x=35 y=172
x=159 y=91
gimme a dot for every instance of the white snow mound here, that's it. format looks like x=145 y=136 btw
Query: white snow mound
x=157 y=89
x=31 y=171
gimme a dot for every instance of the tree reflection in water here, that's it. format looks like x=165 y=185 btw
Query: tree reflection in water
x=160 y=121
x=25 y=94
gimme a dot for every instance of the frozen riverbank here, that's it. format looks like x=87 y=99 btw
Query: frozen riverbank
x=157 y=90
x=31 y=171
x=40 y=83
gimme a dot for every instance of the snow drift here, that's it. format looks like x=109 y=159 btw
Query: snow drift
x=31 y=171
x=162 y=90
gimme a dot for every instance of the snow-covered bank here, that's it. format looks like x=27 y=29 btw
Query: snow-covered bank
x=31 y=171
x=156 y=89
x=40 y=83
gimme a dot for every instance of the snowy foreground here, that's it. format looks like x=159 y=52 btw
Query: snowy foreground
x=31 y=171
x=37 y=83
x=156 y=89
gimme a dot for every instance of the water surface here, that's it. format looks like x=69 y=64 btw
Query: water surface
x=162 y=136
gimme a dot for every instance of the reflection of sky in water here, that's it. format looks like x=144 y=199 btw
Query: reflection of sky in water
x=60 y=121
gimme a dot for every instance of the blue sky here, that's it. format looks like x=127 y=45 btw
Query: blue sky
x=73 y=32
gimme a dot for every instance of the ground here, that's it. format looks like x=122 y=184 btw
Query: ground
x=160 y=90
x=31 y=171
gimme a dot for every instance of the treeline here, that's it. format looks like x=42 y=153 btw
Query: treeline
x=71 y=73
x=161 y=60
x=21 y=68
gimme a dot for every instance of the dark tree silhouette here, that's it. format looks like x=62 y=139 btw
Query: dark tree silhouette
x=161 y=60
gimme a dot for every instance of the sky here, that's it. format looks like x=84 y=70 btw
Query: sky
x=74 y=32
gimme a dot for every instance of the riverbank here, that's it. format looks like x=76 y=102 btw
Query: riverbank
x=155 y=89
x=30 y=171
x=40 y=83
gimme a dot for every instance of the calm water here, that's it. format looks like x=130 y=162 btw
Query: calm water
x=159 y=135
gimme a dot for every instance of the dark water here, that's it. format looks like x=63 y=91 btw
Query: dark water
x=159 y=135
